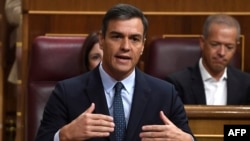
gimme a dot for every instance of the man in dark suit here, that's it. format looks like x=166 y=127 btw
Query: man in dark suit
x=81 y=108
x=212 y=81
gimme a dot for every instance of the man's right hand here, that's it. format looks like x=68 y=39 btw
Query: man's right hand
x=87 y=125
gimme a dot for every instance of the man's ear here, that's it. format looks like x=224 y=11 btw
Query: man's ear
x=202 y=41
x=142 y=50
x=101 y=40
x=144 y=41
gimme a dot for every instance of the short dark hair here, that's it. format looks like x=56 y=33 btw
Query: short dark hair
x=88 y=44
x=123 y=11
x=221 y=19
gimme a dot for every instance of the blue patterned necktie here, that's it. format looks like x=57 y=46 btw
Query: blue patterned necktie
x=119 y=118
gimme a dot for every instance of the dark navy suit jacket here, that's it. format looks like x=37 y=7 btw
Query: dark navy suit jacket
x=189 y=85
x=73 y=96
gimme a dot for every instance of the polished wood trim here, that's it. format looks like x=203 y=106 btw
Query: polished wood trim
x=65 y=35
x=180 y=35
x=68 y=12
x=201 y=13
x=207 y=121
x=209 y=135
x=145 y=12
x=218 y=112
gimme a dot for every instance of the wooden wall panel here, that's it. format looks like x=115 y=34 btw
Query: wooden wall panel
x=42 y=17
x=41 y=24
x=150 y=5
x=62 y=24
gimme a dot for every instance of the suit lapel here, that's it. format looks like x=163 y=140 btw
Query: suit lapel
x=198 y=86
x=95 y=91
x=232 y=87
x=140 y=98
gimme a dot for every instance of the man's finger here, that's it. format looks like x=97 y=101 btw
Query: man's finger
x=165 y=118
x=91 y=108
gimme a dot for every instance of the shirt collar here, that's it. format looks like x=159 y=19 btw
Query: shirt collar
x=109 y=82
x=205 y=74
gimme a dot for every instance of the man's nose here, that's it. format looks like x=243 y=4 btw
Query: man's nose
x=125 y=44
x=222 y=49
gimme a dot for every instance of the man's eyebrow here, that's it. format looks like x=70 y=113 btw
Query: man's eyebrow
x=132 y=35
x=139 y=35
x=115 y=32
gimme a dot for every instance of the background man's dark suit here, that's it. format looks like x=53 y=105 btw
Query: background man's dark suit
x=73 y=96
x=190 y=86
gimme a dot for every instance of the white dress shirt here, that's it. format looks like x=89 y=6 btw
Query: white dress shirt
x=127 y=92
x=215 y=90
